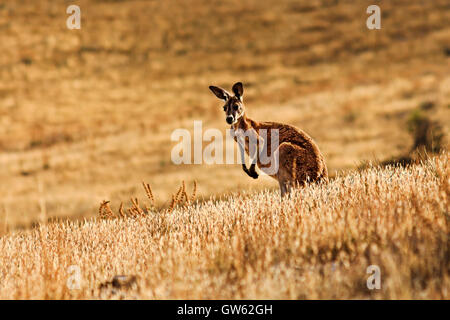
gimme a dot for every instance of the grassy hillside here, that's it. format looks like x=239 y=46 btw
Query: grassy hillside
x=316 y=244
x=86 y=115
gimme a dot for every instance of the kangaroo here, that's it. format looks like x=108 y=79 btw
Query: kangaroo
x=297 y=157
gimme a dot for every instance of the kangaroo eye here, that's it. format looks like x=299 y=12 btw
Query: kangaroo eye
x=235 y=107
x=225 y=108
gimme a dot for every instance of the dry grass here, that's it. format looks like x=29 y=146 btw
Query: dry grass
x=316 y=244
x=87 y=115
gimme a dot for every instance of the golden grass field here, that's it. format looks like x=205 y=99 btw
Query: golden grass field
x=316 y=244
x=86 y=116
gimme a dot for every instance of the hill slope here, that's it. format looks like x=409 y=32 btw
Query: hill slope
x=316 y=244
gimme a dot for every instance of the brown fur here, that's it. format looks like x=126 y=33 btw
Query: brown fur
x=300 y=159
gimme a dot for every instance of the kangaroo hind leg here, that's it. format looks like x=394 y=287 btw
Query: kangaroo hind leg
x=287 y=175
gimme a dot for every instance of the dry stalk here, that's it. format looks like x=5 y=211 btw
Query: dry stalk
x=194 y=192
x=181 y=197
x=149 y=193
x=121 y=212
x=105 y=211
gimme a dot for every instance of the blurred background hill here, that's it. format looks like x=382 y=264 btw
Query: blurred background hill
x=86 y=115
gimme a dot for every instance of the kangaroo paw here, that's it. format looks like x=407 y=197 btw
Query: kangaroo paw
x=254 y=175
x=253 y=172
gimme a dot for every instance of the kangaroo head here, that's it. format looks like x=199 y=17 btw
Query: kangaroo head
x=234 y=105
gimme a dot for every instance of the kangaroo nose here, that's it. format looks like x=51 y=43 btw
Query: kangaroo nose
x=230 y=119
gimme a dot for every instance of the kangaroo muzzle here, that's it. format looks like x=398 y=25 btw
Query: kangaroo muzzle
x=230 y=119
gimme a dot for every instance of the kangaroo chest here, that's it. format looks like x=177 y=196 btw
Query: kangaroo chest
x=244 y=137
x=251 y=139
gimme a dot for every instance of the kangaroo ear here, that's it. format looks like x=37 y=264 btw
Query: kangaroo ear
x=220 y=93
x=238 y=89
